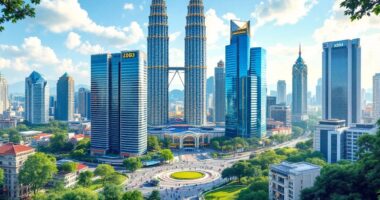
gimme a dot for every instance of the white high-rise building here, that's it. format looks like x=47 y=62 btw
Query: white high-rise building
x=352 y=136
x=4 y=101
x=376 y=96
x=287 y=180
x=36 y=99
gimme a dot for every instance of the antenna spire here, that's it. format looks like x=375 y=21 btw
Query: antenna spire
x=300 y=51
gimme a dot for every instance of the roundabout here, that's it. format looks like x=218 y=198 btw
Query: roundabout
x=187 y=175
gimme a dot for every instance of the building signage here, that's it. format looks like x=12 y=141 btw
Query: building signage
x=129 y=55
x=337 y=45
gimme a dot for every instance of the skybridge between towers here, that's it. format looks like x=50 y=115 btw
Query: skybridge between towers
x=177 y=71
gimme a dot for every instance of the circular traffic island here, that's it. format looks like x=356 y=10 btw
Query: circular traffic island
x=187 y=175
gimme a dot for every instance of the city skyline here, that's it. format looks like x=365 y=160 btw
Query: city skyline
x=70 y=54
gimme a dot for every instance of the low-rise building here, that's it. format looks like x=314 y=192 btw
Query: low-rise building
x=281 y=113
x=69 y=179
x=41 y=139
x=8 y=123
x=279 y=131
x=287 y=180
x=12 y=158
x=352 y=135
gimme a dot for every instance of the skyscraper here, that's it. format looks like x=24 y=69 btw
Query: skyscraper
x=219 y=97
x=376 y=96
x=36 y=99
x=271 y=101
x=210 y=84
x=158 y=64
x=281 y=92
x=245 y=111
x=195 y=64
x=341 y=85
x=4 y=101
x=258 y=67
x=84 y=103
x=318 y=92
x=299 y=99
x=65 y=98
x=119 y=103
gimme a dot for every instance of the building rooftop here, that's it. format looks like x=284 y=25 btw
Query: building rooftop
x=30 y=133
x=294 y=168
x=14 y=149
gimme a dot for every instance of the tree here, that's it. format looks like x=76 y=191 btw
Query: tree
x=307 y=145
x=155 y=195
x=1 y=176
x=115 y=178
x=112 y=192
x=132 y=164
x=69 y=167
x=358 y=9
x=58 y=142
x=166 y=142
x=104 y=171
x=85 y=178
x=15 y=10
x=167 y=154
x=80 y=194
x=22 y=127
x=153 y=143
x=133 y=195
x=14 y=136
x=37 y=171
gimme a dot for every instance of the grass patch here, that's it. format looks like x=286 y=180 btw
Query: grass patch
x=229 y=192
x=187 y=175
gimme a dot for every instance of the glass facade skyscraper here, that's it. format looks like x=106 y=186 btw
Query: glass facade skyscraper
x=119 y=103
x=36 y=99
x=245 y=84
x=65 y=98
x=84 y=103
x=195 y=64
x=341 y=81
x=299 y=92
x=281 y=92
x=219 y=97
x=158 y=64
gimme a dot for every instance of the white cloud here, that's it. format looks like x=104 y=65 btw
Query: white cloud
x=230 y=16
x=217 y=30
x=4 y=63
x=281 y=12
x=67 y=15
x=176 y=57
x=34 y=50
x=129 y=6
x=73 y=42
x=174 y=36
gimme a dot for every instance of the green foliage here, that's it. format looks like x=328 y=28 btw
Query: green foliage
x=85 y=178
x=228 y=144
x=166 y=155
x=22 y=127
x=81 y=149
x=69 y=167
x=115 y=178
x=358 y=9
x=15 y=10
x=166 y=143
x=307 y=145
x=1 y=176
x=153 y=143
x=242 y=169
x=104 y=171
x=37 y=171
x=280 y=138
x=14 y=136
x=155 y=195
x=297 y=131
x=133 y=195
x=80 y=194
x=112 y=192
x=132 y=164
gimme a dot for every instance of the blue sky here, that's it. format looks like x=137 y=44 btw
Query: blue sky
x=66 y=32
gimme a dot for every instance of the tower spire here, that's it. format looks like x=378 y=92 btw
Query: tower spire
x=300 y=51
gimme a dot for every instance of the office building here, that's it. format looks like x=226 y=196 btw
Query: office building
x=195 y=64
x=299 y=99
x=271 y=101
x=341 y=80
x=258 y=69
x=12 y=158
x=210 y=84
x=352 y=134
x=84 y=103
x=376 y=96
x=158 y=64
x=36 y=99
x=281 y=92
x=287 y=180
x=219 y=97
x=329 y=139
x=245 y=85
x=65 y=98
x=4 y=101
x=318 y=93
x=119 y=103
x=52 y=106
x=281 y=113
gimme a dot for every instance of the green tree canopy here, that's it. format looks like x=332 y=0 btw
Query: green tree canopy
x=1 y=176
x=69 y=167
x=85 y=178
x=153 y=143
x=112 y=192
x=358 y=9
x=15 y=10
x=167 y=154
x=133 y=163
x=104 y=171
x=155 y=195
x=37 y=171
x=133 y=195
x=80 y=194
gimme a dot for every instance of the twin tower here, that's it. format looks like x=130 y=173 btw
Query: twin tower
x=158 y=64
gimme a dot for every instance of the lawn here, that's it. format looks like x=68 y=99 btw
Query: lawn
x=187 y=175
x=229 y=192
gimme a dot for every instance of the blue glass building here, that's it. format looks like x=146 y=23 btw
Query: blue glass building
x=36 y=99
x=195 y=64
x=158 y=64
x=299 y=89
x=119 y=103
x=341 y=80
x=245 y=85
x=65 y=98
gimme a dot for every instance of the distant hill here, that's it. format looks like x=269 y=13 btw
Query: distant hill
x=19 y=87
x=176 y=95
